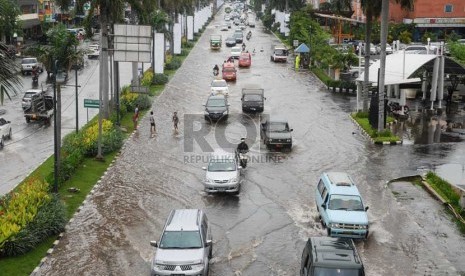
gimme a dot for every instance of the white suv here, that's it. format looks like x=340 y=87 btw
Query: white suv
x=28 y=63
x=185 y=246
x=5 y=131
x=223 y=173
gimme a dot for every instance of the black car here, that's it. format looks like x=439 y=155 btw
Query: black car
x=252 y=99
x=231 y=41
x=276 y=133
x=331 y=256
x=239 y=37
x=216 y=108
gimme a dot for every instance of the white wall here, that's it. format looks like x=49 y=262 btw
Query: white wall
x=159 y=54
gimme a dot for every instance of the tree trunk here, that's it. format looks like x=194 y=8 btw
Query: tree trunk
x=369 y=23
x=58 y=129
x=381 y=81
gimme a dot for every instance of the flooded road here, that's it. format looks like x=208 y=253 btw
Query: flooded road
x=263 y=230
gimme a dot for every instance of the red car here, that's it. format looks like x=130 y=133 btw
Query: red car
x=229 y=71
x=245 y=60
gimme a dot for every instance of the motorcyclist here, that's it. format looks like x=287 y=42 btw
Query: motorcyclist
x=216 y=70
x=243 y=46
x=242 y=147
x=34 y=71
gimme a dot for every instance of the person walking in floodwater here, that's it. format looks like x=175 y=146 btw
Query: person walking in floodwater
x=152 y=124
x=135 y=118
x=175 y=120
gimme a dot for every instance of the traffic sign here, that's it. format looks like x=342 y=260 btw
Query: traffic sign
x=87 y=6
x=139 y=89
x=90 y=103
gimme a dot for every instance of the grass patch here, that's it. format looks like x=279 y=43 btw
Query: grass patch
x=321 y=74
x=386 y=136
x=445 y=190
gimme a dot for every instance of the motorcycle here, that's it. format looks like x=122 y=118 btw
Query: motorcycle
x=243 y=47
x=249 y=35
x=397 y=109
x=215 y=72
x=35 y=78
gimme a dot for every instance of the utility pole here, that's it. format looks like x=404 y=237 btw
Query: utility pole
x=55 y=136
x=382 y=75
x=77 y=91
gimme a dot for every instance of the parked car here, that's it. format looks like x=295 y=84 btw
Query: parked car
x=340 y=206
x=94 y=51
x=245 y=59
x=5 y=131
x=223 y=173
x=253 y=99
x=276 y=133
x=388 y=49
x=219 y=86
x=331 y=256
x=28 y=63
x=230 y=41
x=185 y=244
x=216 y=108
x=421 y=49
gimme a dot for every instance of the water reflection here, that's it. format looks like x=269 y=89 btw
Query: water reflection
x=426 y=127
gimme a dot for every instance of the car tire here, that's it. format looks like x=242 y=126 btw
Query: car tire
x=1 y=143
x=28 y=120
x=238 y=190
x=328 y=231
x=9 y=134
x=210 y=254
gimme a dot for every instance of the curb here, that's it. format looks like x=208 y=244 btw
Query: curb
x=369 y=137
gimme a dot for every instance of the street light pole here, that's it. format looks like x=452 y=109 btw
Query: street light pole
x=55 y=130
x=76 y=86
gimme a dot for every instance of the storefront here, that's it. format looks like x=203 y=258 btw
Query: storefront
x=440 y=26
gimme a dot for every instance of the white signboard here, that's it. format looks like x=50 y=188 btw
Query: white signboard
x=190 y=27
x=177 y=38
x=159 y=54
x=132 y=43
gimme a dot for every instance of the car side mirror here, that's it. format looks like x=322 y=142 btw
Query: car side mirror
x=229 y=104
x=323 y=205
x=291 y=129
x=8 y=122
x=264 y=98
x=209 y=242
x=366 y=208
x=239 y=167
x=204 y=105
x=204 y=168
x=154 y=243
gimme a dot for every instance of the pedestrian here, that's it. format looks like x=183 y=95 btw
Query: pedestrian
x=175 y=120
x=135 y=118
x=152 y=124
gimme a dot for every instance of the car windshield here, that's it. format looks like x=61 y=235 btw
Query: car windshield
x=252 y=98
x=219 y=84
x=222 y=165
x=244 y=57
x=277 y=127
x=280 y=52
x=28 y=61
x=230 y=39
x=345 y=202
x=28 y=95
x=238 y=35
x=216 y=103
x=324 y=271
x=229 y=70
x=180 y=240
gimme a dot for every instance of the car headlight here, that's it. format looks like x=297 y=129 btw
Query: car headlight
x=198 y=265
x=208 y=180
x=334 y=225
x=232 y=180
x=289 y=140
x=158 y=266
x=363 y=226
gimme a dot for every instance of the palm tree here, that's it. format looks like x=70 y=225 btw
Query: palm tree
x=9 y=79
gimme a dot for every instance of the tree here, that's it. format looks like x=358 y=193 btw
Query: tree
x=9 y=79
x=9 y=12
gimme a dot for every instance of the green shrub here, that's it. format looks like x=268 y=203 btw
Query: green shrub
x=50 y=220
x=174 y=64
x=188 y=44
x=111 y=141
x=385 y=133
x=444 y=187
x=147 y=77
x=143 y=101
x=184 y=53
x=160 y=79
x=361 y=114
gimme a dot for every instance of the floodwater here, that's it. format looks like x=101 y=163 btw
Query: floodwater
x=263 y=230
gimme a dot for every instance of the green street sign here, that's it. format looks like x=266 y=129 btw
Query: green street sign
x=87 y=6
x=90 y=103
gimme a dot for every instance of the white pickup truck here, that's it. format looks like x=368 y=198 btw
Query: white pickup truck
x=5 y=131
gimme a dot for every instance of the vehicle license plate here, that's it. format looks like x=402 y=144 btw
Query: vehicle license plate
x=279 y=145
x=252 y=108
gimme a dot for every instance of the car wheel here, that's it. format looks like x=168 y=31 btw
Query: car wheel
x=238 y=190
x=329 y=232
x=1 y=143
x=28 y=120
x=210 y=254
x=9 y=134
